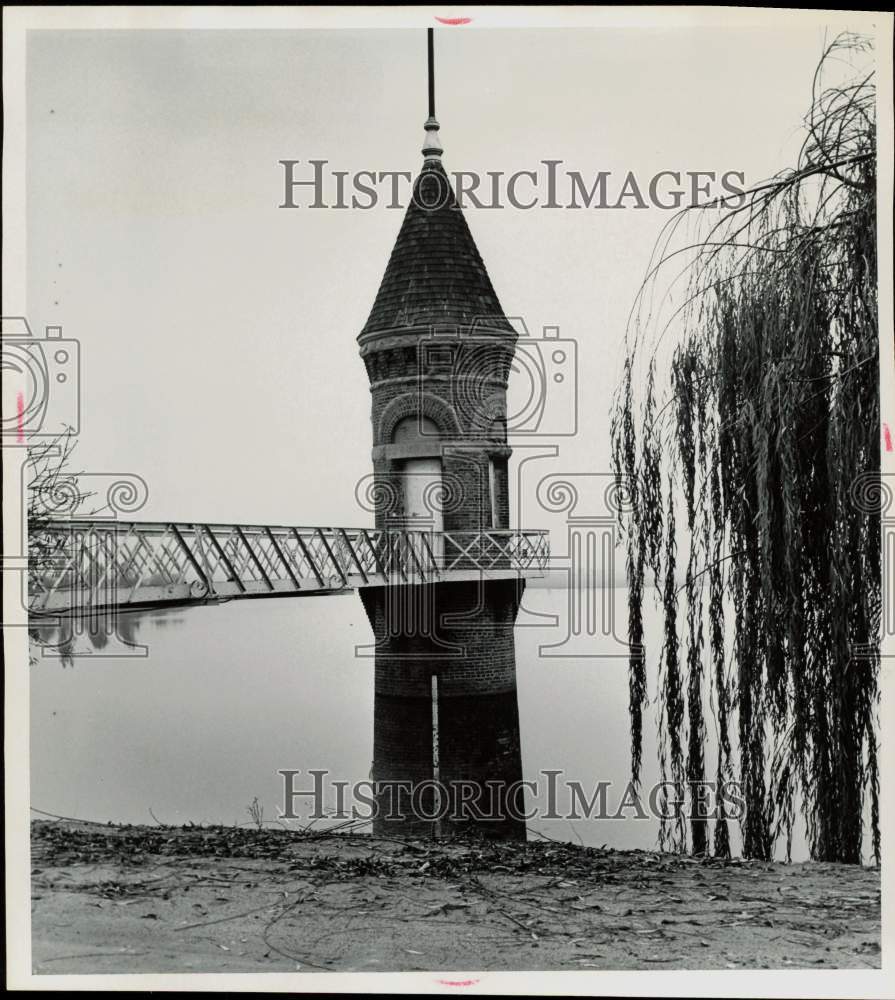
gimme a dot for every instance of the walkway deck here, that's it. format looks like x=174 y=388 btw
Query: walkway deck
x=87 y=565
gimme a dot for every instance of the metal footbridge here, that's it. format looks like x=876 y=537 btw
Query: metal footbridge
x=81 y=566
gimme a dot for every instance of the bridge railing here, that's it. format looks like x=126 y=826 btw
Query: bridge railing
x=83 y=565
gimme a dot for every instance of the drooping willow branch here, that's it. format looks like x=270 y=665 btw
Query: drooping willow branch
x=752 y=479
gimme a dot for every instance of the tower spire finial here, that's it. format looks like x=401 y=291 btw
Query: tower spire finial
x=432 y=148
x=430 y=37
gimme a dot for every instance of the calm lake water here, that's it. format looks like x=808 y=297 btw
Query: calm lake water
x=229 y=695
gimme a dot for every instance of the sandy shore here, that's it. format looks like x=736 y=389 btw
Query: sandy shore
x=196 y=899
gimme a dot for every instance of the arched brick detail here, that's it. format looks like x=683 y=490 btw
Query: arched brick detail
x=410 y=404
x=492 y=417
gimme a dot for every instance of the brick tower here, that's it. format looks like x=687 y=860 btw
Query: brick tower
x=437 y=350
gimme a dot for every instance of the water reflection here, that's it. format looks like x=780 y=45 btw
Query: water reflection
x=445 y=711
x=228 y=696
x=67 y=638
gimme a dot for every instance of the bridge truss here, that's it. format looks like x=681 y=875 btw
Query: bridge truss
x=78 y=566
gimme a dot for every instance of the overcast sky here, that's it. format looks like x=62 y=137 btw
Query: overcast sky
x=218 y=330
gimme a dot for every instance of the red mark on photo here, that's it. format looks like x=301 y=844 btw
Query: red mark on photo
x=457 y=982
x=20 y=418
x=453 y=20
x=887 y=437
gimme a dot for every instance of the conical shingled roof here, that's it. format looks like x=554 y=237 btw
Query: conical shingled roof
x=435 y=275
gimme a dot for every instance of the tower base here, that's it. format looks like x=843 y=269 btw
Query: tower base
x=446 y=744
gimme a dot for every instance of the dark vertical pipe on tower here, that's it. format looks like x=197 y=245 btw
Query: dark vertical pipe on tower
x=431 y=39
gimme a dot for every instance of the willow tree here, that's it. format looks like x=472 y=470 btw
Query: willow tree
x=748 y=414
